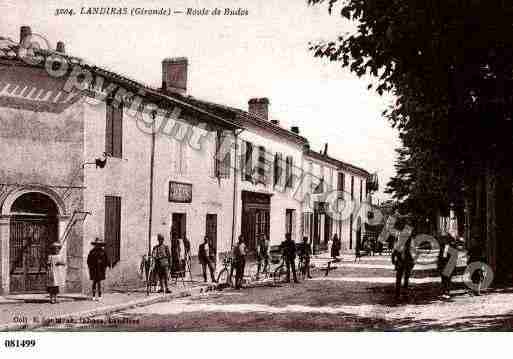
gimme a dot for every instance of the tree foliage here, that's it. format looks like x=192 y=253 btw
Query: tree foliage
x=449 y=65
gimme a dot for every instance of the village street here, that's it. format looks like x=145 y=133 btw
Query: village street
x=354 y=297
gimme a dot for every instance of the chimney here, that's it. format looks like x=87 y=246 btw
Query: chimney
x=174 y=75
x=325 y=149
x=295 y=129
x=61 y=47
x=275 y=122
x=259 y=107
x=25 y=32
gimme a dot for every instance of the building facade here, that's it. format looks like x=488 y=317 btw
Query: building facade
x=132 y=170
x=92 y=153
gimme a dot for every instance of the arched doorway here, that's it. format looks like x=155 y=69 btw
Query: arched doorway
x=33 y=227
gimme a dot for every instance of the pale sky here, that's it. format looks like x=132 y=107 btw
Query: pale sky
x=232 y=59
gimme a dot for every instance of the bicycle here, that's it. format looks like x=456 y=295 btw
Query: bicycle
x=225 y=274
x=147 y=268
x=281 y=270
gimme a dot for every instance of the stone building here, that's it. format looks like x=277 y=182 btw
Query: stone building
x=79 y=139
x=337 y=201
x=89 y=153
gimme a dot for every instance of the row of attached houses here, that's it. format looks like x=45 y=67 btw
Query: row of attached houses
x=92 y=153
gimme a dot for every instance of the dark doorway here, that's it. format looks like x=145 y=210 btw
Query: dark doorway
x=33 y=227
x=289 y=222
x=211 y=232
x=179 y=225
x=255 y=217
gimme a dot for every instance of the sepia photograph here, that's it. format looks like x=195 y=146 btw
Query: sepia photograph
x=231 y=166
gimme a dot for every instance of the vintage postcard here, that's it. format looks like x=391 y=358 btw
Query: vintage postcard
x=255 y=166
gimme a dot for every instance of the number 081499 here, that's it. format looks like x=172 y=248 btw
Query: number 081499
x=19 y=343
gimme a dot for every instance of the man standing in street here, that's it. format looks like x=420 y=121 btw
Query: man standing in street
x=97 y=262
x=403 y=261
x=289 y=254
x=162 y=257
x=239 y=261
x=446 y=269
x=205 y=258
x=262 y=255
x=306 y=254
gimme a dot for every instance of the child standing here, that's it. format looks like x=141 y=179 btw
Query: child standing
x=97 y=261
x=55 y=276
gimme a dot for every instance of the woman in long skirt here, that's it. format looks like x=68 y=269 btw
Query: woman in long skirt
x=56 y=275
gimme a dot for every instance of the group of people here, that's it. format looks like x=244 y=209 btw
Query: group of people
x=97 y=262
x=166 y=260
x=404 y=262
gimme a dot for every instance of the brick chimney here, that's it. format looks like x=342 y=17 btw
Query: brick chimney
x=295 y=129
x=259 y=107
x=174 y=75
x=25 y=32
x=61 y=47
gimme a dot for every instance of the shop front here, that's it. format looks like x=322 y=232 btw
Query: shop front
x=256 y=209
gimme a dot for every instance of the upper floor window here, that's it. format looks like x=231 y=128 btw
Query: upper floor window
x=180 y=152
x=341 y=182
x=247 y=161
x=222 y=159
x=262 y=164
x=352 y=188
x=114 y=130
x=278 y=168
x=320 y=187
x=289 y=178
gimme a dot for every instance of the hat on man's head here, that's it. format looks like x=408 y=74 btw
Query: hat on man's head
x=98 y=242
x=56 y=244
x=160 y=237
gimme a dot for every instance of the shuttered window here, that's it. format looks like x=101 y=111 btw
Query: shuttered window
x=352 y=188
x=114 y=130
x=113 y=228
x=222 y=159
x=278 y=168
x=247 y=158
x=341 y=182
x=261 y=175
x=289 y=178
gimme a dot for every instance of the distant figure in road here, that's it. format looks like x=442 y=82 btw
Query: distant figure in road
x=476 y=254
x=206 y=260
x=162 y=257
x=445 y=265
x=403 y=261
x=97 y=262
x=335 y=247
x=289 y=253
x=239 y=261
x=262 y=252
x=306 y=254
x=56 y=276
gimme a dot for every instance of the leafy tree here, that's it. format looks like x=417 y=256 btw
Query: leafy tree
x=450 y=67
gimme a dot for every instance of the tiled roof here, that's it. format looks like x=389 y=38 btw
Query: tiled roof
x=242 y=118
x=338 y=163
x=10 y=50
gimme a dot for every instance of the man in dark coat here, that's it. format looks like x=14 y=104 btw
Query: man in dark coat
x=306 y=254
x=97 y=261
x=336 y=245
x=162 y=257
x=289 y=254
x=403 y=261
x=445 y=267
x=206 y=260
